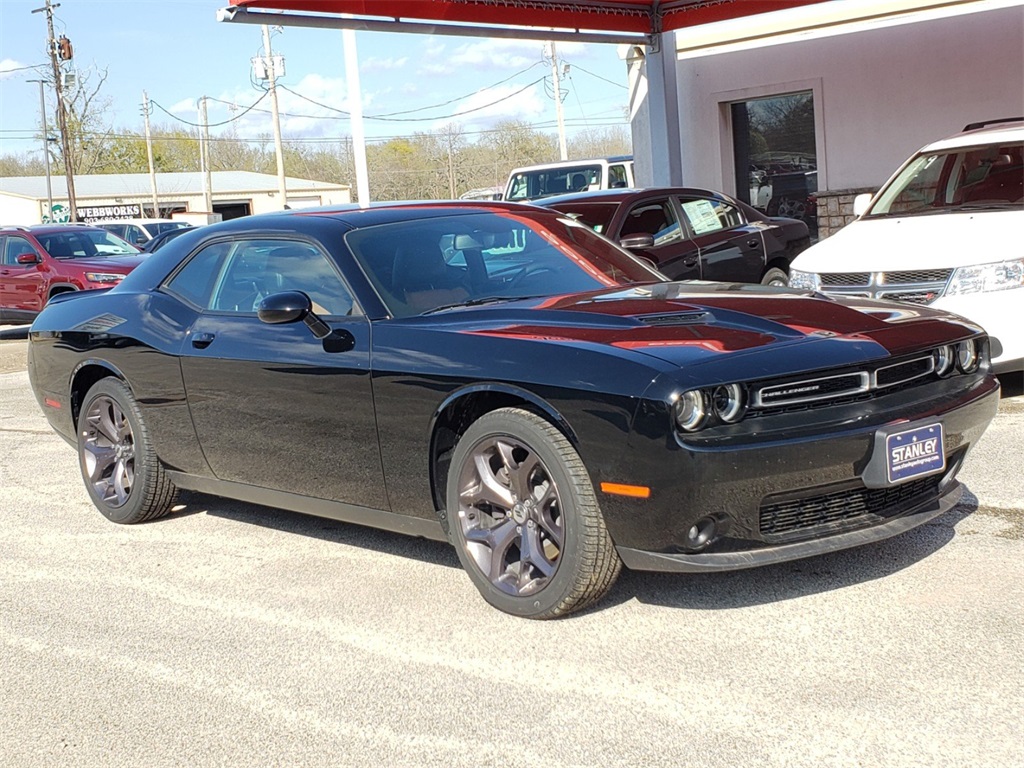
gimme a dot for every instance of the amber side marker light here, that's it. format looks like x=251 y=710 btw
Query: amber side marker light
x=52 y=403
x=618 y=489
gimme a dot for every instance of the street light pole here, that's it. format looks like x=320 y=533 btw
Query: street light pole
x=46 y=149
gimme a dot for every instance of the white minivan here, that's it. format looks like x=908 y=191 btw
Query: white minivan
x=548 y=179
x=944 y=231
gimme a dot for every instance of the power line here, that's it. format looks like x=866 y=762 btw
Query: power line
x=210 y=125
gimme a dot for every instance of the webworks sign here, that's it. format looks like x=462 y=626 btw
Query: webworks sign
x=100 y=212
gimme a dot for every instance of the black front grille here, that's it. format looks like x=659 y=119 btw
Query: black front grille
x=807 y=390
x=910 y=297
x=918 y=276
x=797 y=518
x=845 y=278
x=901 y=372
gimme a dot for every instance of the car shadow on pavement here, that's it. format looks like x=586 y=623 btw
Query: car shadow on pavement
x=799 y=578
x=385 y=542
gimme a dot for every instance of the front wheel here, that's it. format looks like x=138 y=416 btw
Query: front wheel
x=524 y=518
x=121 y=471
x=776 y=277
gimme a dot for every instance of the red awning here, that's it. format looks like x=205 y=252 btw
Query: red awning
x=616 y=18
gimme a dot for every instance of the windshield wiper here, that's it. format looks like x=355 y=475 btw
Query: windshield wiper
x=997 y=205
x=478 y=302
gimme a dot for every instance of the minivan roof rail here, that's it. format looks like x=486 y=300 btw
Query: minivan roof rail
x=976 y=126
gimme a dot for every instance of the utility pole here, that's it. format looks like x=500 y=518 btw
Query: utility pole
x=556 y=83
x=149 y=154
x=46 y=150
x=204 y=156
x=62 y=119
x=355 y=106
x=278 y=147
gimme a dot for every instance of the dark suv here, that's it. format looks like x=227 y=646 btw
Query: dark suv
x=39 y=262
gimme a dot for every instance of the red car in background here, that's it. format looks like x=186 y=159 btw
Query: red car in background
x=39 y=262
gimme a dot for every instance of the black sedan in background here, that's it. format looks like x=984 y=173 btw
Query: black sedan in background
x=502 y=377
x=692 y=234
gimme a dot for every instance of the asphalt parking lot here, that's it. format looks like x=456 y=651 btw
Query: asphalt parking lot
x=229 y=634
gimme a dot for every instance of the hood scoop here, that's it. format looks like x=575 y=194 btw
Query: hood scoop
x=676 y=318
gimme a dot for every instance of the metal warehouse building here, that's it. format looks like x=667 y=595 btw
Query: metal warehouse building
x=24 y=200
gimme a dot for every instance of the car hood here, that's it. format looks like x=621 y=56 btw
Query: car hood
x=935 y=241
x=696 y=323
x=118 y=264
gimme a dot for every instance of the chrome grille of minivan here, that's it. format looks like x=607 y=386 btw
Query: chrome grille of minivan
x=920 y=286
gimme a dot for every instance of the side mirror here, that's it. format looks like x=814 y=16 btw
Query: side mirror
x=27 y=258
x=637 y=241
x=861 y=203
x=291 y=307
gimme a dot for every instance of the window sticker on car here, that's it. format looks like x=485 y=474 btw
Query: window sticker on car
x=702 y=216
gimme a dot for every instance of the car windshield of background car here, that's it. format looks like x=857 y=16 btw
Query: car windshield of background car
x=158 y=227
x=597 y=216
x=989 y=177
x=83 y=244
x=418 y=266
x=548 y=182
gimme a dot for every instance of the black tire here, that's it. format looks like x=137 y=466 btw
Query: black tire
x=775 y=276
x=524 y=519
x=121 y=471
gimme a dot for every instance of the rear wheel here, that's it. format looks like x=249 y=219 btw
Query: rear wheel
x=121 y=471
x=524 y=518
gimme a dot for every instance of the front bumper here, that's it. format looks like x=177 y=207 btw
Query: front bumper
x=797 y=484
x=781 y=553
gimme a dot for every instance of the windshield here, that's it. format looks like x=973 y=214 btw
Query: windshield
x=545 y=182
x=157 y=227
x=85 y=244
x=419 y=266
x=989 y=177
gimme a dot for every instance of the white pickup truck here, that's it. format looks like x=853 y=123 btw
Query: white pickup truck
x=536 y=181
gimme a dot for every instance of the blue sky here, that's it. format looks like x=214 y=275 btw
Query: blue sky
x=178 y=52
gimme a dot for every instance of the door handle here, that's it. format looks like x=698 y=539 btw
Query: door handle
x=753 y=243
x=202 y=340
x=690 y=261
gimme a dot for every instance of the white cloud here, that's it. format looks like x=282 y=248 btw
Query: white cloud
x=378 y=64
x=9 y=66
x=491 y=105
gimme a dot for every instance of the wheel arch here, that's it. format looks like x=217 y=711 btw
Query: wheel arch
x=85 y=375
x=463 y=407
x=60 y=288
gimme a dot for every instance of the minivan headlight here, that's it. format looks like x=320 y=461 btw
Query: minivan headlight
x=806 y=281
x=984 y=278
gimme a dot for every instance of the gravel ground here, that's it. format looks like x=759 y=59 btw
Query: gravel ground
x=229 y=634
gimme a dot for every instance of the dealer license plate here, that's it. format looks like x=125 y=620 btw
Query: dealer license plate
x=915 y=453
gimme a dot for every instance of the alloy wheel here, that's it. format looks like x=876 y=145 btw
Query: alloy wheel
x=108 y=451
x=510 y=515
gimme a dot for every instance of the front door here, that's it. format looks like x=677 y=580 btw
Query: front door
x=273 y=405
x=671 y=251
x=731 y=249
x=21 y=285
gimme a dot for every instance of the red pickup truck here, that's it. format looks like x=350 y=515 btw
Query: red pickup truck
x=39 y=262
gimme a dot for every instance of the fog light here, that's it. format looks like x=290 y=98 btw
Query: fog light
x=967 y=356
x=701 y=533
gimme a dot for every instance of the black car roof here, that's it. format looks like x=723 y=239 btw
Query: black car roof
x=621 y=194
x=383 y=213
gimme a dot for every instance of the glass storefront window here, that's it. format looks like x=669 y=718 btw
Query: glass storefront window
x=775 y=155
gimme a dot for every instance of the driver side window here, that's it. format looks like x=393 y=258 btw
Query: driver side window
x=236 y=277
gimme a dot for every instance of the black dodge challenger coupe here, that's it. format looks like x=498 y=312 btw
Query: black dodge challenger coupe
x=503 y=377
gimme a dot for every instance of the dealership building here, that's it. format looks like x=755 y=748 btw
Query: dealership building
x=24 y=200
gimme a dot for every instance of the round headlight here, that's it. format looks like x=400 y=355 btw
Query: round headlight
x=691 y=410
x=944 y=359
x=728 y=402
x=967 y=356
